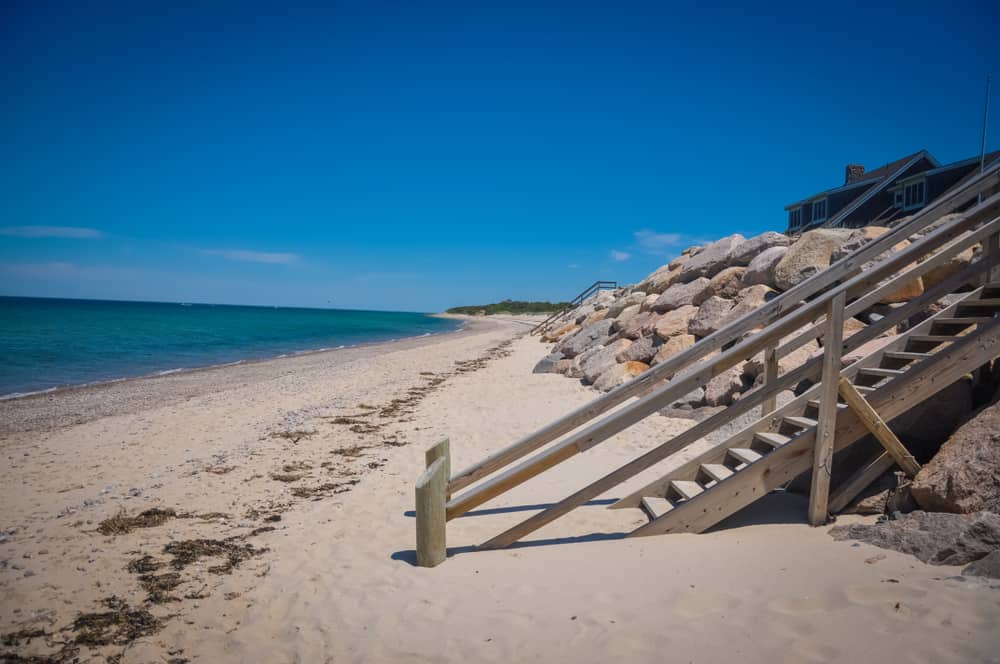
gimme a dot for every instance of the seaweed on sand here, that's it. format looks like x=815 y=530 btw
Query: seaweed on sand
x=188 y=551
x=294 y=435
x=121 y=625
x=158 y=586
x=286 y=477
x=121 y=524
x=143 y=565
x=323 y=490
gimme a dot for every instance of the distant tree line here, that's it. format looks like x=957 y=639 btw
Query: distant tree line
x=510 y=307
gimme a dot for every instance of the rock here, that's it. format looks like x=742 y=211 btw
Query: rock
x=744 y=252
x=852 y=326
x=602 y=359
x=747 y=300
x=964 y=476
x=618 y=375
x=932 y=537
x=563 y=367
x=556 y=335
x=672 y=346
x=548 y=363
x=858 y=238
x=647 y=304
x=692 y=399
x=642 y=350
x=593 y=334
x=755 y=366
x=674 y=322
x=711 y=260
x=924 y=428
x=624 y=302
x=721 y=390
x=627 y=314
x=595 y=317
x=679 y=295
x=987 y=566
x=710 y=315
x=660 y=280
x=727 y=283
x=955 y=265
x=638 y=326
x=580 y=313
x=761 y=268
x=809 y=255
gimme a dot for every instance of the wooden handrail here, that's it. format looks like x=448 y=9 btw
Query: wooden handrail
x=702 y=373
x=772 y=311
x=577 y=301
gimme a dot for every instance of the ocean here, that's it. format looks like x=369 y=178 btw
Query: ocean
x=50 y=343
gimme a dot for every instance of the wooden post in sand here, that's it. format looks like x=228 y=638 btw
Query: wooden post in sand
x=430 y=501
x=833 y=344
x=440 y=451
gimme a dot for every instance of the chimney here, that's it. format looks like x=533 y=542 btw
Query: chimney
x=853 y=173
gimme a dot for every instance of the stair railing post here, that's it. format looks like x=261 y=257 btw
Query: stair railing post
x=991 y=253
x=833 y=343
x=770 y=376
x=430 y=507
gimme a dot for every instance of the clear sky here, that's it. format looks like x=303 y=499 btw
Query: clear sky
x=418 y=155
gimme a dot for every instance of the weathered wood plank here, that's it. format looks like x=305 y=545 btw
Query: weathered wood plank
x=441 y=450
x=430 y=502
x=770 y=376
x=871 y=419
x=819 y=492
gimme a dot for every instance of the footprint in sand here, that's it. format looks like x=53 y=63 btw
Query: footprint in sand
x=697 y=604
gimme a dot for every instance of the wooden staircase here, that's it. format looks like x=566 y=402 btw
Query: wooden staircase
x=783 y=441
x=708 y=488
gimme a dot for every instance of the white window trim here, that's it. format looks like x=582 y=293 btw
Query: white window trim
x=923 y=201
x=826 y=210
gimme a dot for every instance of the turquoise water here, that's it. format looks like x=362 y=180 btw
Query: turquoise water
x=47 y=343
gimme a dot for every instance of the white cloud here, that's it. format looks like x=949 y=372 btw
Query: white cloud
x=72 y=232
x=63 y=270
x=620 y=255
x=246 y=256
x=659 y=243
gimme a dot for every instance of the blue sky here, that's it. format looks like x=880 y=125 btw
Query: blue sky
x=419 y=155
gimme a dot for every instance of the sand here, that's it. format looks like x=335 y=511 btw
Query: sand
x=325 y=448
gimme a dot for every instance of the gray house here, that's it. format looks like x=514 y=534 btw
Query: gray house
x=883 y=195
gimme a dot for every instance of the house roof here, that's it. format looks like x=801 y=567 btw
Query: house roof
x=870 y=178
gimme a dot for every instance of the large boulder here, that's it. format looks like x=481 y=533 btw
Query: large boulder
x=647 y=304
x=548 y=363
x=672 y=346
x=810 y=255
x=711 y=260
x=674 y=322
x=924 y=428
x=618 y=375
x=710 y=316
x=858 y=238
x=679 y=295
x=601 y=359
x=755 y=366
x=744 y=252
x=624 y=302
x=964 y=476
x=761 y=268
x=747 y=300
x=595 y=317
x=956 y=264
x=642 y=350
x=591 y=335
x=623 y=318
x=727 y=283
x=660 y=280
x=559 y=333
x=933 y=537
x=638 y=326
x=721 y=390
x=988 y=566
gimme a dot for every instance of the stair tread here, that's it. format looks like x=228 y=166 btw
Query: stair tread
x=716 y=471
x=984 y=302
x=744 y=454
x=906 y=355
x=931 y=337
x=771 y=438
x=815 y=404
x=688 y=489
x=879 y=371
x=799 y=421
x=656 y=507
x=963 y=320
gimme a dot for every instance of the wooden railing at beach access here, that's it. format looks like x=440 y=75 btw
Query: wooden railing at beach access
x=575 y=302
x=811 y=310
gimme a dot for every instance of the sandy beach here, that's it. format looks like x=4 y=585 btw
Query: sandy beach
x=281 y=530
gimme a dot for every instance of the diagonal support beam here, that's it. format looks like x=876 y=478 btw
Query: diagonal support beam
x=877 y=426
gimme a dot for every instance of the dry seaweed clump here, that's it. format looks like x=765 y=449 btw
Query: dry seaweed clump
x=158 y=586
x=234 y=552
x=121 y=625
x=121 y=524
x=294 y=436
x=323 y=490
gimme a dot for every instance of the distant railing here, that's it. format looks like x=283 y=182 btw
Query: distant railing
x=576 y=301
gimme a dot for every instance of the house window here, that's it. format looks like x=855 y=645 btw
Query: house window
x=897 y=198
x=819 y=210
x=795 y=218
x=914 y=195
